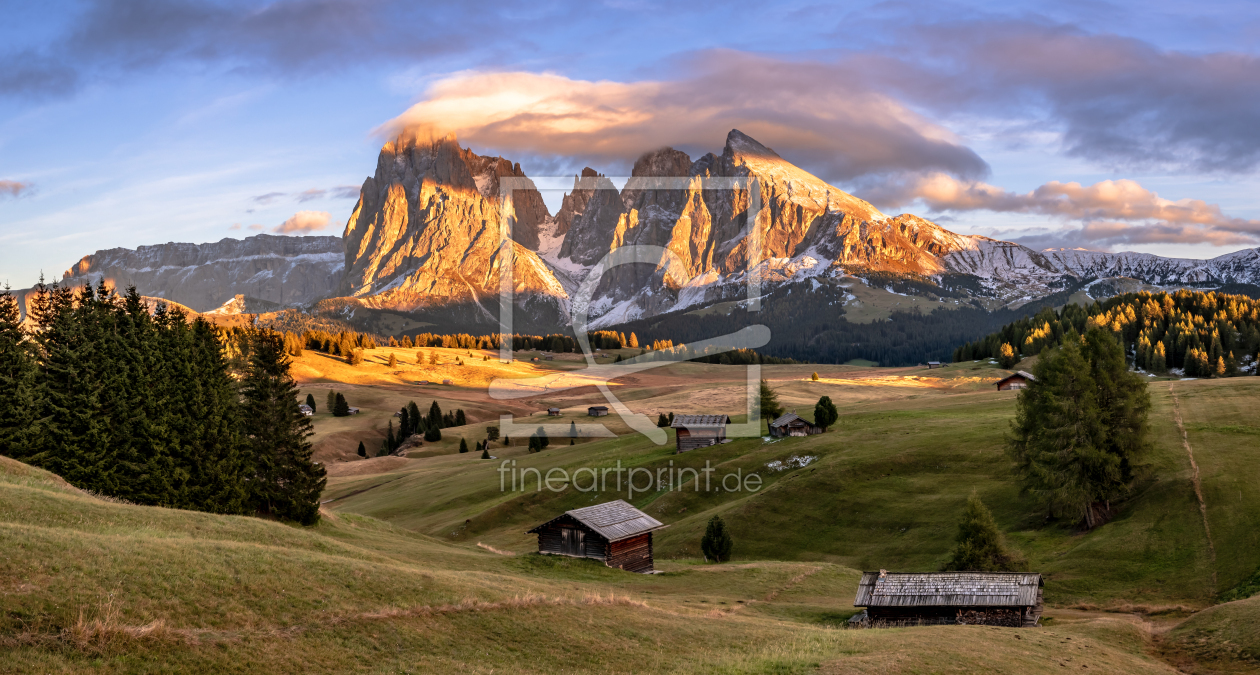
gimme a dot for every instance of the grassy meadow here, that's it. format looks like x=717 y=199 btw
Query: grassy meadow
x=422 y=564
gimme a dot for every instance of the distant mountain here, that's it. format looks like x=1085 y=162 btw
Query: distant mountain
x=423 y=242
x=283 y=270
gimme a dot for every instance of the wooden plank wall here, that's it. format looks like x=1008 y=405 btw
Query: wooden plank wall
x=633 y=554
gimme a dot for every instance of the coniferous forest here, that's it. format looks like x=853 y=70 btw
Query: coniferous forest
x=153 y=409
x=1201 y=334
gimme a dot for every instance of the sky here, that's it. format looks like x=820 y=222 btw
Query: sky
x=1108 y=126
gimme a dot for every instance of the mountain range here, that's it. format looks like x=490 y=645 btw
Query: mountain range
x=426 y=240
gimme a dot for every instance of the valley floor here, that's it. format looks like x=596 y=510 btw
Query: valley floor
x=422 y=564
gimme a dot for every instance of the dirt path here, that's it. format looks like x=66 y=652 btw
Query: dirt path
x=1194 y=477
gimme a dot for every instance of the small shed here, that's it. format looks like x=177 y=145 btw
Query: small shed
x=699 y=431
x=934 y=364
x=446 y=381
x=614 y=532
x=791 y=424
x=553 y=412
x=597 y=410
x=354 y=411
x=1018 y=380
x=305 y=409
x=979 y=598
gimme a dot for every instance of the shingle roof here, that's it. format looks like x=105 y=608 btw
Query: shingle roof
x=700 y=421
x=949 y=589
x=1019 y=373
x=615 y=520
x=787 y=417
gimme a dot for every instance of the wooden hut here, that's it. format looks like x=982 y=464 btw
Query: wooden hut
x=699 y=431
x=614 y=532
x=791 y=424
x=980 y=598
x=934 y=364
x=553 y=412
x=1018 y=380
x=597 y=410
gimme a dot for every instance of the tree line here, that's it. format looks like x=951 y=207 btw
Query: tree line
x=1202 y=334
x=153 y=409
x=428 y=425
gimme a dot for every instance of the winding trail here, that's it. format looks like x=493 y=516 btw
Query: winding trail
x=1194 y=477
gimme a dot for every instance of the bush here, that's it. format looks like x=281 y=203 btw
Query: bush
x=825 y=413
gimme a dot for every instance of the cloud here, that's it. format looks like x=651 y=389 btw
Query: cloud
x=303 y=222
x=344 y=192
x=1113 y=211
x=1117 y=100
x=14 y=189
x=235 y=226
x=822 y=117
x=268 y=198
x=311 y=194
x=255 y=227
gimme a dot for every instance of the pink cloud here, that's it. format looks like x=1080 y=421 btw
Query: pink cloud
x=13 y=188
x=303 y=222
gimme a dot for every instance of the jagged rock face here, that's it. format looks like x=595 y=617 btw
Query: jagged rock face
x=595 y=208
x=284 y=270
x=426 y=231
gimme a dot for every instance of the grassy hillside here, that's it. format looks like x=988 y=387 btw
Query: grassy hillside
x=99 y=587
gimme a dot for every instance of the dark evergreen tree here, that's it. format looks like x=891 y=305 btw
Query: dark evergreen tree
x=543 y=441
x=770 y=407
x=662 y=420
x=463 y=446
x=310 y=402
x=460 y=420
x=433 y=435
x=340 y=407
x=416 y=420
x=485 y=453
x=435 y=416
x=404 y=423
x=332 y=400
x=284 y=483
x=825 y=413
x=716 y=543
x=573 y=432
x=492 y=433
x=533 y=444
x=980 y=546
x=17 y=380
x=362 y=450
x=390 y=441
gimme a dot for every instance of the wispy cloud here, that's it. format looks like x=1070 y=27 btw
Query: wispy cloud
x=823 y=117
x=14 y=189
x=304 y=222
x=268 y=198
x=311 y=194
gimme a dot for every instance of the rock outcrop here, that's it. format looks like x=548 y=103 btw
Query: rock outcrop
x=426 y=233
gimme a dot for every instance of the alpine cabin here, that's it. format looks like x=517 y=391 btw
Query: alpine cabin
x=1010 y=599
x=1019 y=380
x=699 y=431
x=614 y=532
x=597 y=411
x=791 y=424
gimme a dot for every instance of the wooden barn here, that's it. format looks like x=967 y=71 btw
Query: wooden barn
x=614 y=532
x=791 y=424
x=553 y=412
x=1010 y=599
x=699 y=431
x=1019 y=380
x=933 y=364
x=597 y=410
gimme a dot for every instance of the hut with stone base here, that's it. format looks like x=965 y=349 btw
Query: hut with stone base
x=1010 y=599
x=614 y=532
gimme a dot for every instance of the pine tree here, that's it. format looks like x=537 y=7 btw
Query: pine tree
x=716 y=543
x=463 y=446
x=393 y=361
x=332 y=401
x=390 y=441
x=340 y=407
x=460 y=420
x=414 y=418
x=543 y=441
x=980 y=544
x=433 y=435
x=492 y=433
x=284 y=482
x=634 y=340
x=770 y=407
x=362 y=450
x=573 y=432
x=435 y=416
x=662 y=420
x=17 y=379
x=533 y=444
x=825 y=413
x=485 y=452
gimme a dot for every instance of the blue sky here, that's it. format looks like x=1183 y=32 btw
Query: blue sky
x=1105 y=125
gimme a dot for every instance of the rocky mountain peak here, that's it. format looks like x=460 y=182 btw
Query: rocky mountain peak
x=739 y=143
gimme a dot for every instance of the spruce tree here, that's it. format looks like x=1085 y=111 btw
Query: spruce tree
x=393 y=361
x=332 y=401
x=416 y=420
x=662 y=420
x=310 y=402
x=463 y=446
x=492 y=433
x=573 y=432
x=362 y=450
x=284 y=483
x=390 y=441
x=460 y=420
x=340 y=407
x=716 y=543
x=770 y=407
x=485 y=452
x=435 y=416
x=825 y=413
x=980 y=546
x=543 y=441
x=17 y=379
